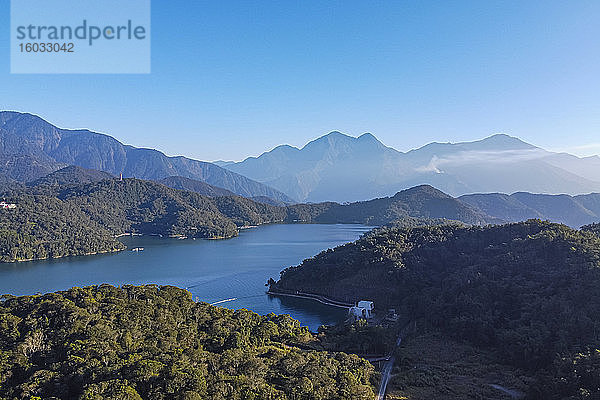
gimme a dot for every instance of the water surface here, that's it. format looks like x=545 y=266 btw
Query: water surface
x=212 y=270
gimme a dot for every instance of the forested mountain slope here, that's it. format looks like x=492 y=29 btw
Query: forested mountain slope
x=56 y=216
x=592 y=228
x=60 y=220
x=27 y=135
x=71 y=175
x=24 y=167
x=530 y=291
x=193 y=185
x=419 y=202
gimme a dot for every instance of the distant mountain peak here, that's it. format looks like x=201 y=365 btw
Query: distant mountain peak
x=500 y=136
x=504 y=139
x=336 y=134
x=367 y=136
x=339 y=167
x=422 y=189
x=335 y=138
x=331 y=137
x=286 y=147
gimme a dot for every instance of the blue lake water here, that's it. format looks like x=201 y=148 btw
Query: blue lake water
x=212 y=270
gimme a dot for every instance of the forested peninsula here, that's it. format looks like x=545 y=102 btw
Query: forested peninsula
x=528 y=292
x=51 y=221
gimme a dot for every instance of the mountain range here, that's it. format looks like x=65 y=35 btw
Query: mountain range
x=427 y=204
x=334 y=167
x=30 y=148
x=337 y=167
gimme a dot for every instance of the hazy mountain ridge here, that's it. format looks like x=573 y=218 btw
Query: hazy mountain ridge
x=30 y=136
x=203 y=188
x=574 y=211
x=422 y=202
x=25 y=168
x=337 y=167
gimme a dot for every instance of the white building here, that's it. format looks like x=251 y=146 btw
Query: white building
x=7 y=205
x=363 y=309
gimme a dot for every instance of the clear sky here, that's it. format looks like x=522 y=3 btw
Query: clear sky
x=232 y=79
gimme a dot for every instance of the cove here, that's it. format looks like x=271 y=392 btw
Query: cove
x=232 y=272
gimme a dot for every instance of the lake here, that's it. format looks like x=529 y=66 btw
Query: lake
x=212 y=270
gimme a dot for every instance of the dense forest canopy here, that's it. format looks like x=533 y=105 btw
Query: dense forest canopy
x=46 y=227
x=531 y=291
x=76 y=219
x=192 y=185
x=592 y=228
x=150 y=342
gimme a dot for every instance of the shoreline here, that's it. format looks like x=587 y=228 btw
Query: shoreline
x=65 y=256
x=311 y=296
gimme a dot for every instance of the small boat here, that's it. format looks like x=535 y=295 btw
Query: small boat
x=137 y=249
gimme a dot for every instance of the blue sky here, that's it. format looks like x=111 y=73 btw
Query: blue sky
x=232 y=79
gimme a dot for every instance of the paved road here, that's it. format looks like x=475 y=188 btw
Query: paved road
x=386 y=372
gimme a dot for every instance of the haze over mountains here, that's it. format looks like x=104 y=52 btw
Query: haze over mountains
x=573 y=211
x=423 y=202
x=31 y=148
x=337 y=167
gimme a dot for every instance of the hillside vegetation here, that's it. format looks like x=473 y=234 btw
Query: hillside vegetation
x=71 y=175
x=192 y=185
x=26 y=167
x=151 y=342
x=47 y=227
x=530 y=291
x=592 y=228
x=61 y=220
